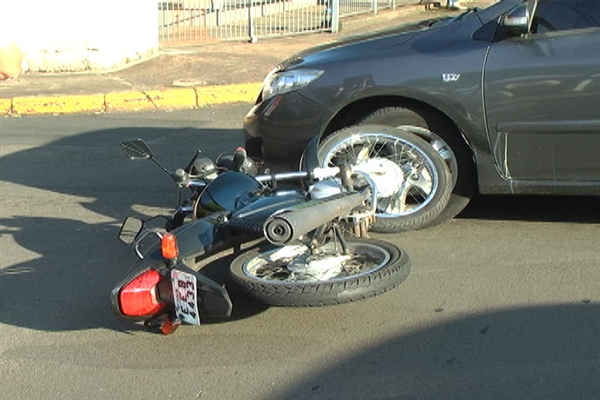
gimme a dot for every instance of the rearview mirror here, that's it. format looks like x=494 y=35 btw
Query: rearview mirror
x=130 y=230
x=136 y=149
x=517 y=20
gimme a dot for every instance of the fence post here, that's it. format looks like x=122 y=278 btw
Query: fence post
x=374 y=6
x=252 y=37
x=335 y=16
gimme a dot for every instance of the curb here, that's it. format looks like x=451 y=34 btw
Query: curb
x=168 y=99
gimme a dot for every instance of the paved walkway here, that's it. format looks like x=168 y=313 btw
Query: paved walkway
x=181 y=77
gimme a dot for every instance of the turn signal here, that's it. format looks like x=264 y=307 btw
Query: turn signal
x=138 y=298
x=168 y=327
x=169 y=247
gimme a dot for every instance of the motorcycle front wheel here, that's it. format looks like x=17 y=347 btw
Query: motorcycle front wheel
x=413 y=181
x=294 y=276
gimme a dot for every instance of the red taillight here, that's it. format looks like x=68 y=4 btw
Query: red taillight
x=169 y=247
x=139 y=298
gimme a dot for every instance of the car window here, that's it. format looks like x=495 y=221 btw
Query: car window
x=561 y=15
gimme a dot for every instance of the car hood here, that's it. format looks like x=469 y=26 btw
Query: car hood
x=435 y=32
x=359 y=44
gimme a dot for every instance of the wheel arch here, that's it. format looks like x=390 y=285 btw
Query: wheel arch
x=354 y=112
x=439 y=122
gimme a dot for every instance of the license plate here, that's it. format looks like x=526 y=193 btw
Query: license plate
x=184 y=294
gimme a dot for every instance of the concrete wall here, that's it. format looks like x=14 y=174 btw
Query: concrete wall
x=79 y=35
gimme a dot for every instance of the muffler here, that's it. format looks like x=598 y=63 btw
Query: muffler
x=287 y=225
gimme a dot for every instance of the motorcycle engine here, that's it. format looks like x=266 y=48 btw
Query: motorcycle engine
x=324 y=189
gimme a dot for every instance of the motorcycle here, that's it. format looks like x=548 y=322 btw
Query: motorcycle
x=298 y=239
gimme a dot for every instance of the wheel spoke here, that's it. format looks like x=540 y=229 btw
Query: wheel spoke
x=414 y=190
x=416 y=183
x=423 y=184
x=363 y=155
x=410 y=174
x=327 y=265
x=402 y=197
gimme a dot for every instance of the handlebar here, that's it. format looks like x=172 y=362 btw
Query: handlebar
x=317 y=174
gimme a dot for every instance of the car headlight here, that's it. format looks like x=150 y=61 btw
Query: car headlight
x=288 y=81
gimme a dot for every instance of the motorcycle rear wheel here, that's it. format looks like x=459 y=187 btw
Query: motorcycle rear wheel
x=291 y=277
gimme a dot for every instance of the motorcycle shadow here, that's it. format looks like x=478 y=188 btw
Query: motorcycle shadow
x=61 y=261
x=215 y=268
x=66 y=285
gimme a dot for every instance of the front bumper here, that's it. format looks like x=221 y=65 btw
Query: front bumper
x=277 y=130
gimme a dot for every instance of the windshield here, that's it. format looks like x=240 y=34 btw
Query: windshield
x=469 y=11
x=484 y=14
x=448 y=20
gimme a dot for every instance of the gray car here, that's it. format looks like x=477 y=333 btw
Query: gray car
x=504 y=100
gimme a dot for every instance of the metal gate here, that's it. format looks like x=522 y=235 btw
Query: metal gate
x=201 y=20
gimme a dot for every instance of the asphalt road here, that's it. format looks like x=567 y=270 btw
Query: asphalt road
x=502 y=303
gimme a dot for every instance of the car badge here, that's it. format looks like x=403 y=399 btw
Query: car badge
x=450 y=77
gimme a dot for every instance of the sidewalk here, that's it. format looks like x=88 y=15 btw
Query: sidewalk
x=182 y=77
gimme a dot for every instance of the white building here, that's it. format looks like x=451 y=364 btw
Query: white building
x=80 y=35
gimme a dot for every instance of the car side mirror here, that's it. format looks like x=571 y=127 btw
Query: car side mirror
x=517 y=21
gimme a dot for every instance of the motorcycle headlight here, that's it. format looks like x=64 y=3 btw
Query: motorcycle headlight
x=288 y=81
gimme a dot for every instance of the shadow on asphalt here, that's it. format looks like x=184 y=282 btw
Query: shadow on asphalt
x=572 y=209
x=75 y=260
x=546 y=352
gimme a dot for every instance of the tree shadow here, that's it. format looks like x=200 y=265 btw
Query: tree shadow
x=92 y=165
x=75 y=257
x=67 y=285
x=545 y=352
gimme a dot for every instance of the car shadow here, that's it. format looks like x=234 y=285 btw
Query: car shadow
x=537 y=352
x=573 y=209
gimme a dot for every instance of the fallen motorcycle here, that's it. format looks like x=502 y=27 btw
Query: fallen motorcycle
x=298 y=238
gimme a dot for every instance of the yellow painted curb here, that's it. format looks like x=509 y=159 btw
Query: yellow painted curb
x=58 y=104
x=245 y=92
x=5 y=106
x=128 y=101
x=167 y=99
x=173 y=98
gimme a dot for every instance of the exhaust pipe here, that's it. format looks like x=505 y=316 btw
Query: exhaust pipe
x=287 y=225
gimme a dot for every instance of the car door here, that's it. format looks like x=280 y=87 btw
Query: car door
x=542 y=96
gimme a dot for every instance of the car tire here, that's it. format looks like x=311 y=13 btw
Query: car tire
x=413 y=181
x=447 y=140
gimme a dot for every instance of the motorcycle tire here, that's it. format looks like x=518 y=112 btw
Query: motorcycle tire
x=413 y=182
x=290 y=277
x=446 y=139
